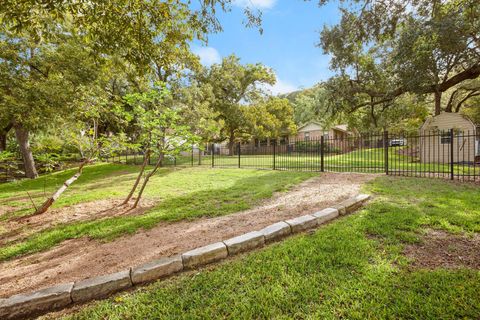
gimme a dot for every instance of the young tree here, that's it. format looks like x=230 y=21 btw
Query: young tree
x=234 y=85
x=162 y=132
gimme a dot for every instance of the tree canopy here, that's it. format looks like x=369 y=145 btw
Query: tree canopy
x=384 y=49
x=233 y=86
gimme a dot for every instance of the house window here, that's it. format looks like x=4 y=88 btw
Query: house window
x=445 y=138
x=307 y=136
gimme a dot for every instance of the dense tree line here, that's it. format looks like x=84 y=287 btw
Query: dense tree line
x=385 y=49
x=69 y=69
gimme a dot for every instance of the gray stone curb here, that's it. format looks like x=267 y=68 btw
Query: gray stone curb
x=101 y=286
x=302 y=223
x=204 y=255
x=326 y=215
x=157 y=269
x=24 y=305
x=245 y=242
x=276 y=231
x=60 y=296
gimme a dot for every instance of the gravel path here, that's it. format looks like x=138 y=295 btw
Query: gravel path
x=84 y=258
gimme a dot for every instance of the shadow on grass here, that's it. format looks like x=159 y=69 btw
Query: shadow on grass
x=94 y=178
x=55 y=180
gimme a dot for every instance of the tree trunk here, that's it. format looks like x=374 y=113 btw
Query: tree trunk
x=3 y=137
x=438 y=102
x=22 y=138
x=3 y=141
x=231 y=143
x=147 y=178
x=137 y=181
x=47 y=204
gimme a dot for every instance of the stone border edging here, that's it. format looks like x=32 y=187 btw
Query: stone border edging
x=63 y=295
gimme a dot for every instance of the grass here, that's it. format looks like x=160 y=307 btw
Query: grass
x=352 y=268
x=96 y=182
x=182 y=194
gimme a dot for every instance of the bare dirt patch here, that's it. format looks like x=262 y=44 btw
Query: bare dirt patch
x=440 y=249
x=93 y=210
x=84 y=258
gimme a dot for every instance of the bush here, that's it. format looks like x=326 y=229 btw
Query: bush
x=314 y=146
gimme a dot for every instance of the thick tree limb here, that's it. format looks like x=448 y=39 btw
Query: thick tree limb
x=48 y=203
x=471 y=73
x=461 y=102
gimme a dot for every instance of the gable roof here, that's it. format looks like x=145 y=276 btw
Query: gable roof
x=341 y=127
x=445 y=114
x=309 y=123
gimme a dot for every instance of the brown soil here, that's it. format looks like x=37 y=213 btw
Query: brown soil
x=22 y=227
x=84 y=258
x=439 y=249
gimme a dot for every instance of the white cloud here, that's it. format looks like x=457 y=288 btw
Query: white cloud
x=258 y=4
x=208 y=55
x=281 y=87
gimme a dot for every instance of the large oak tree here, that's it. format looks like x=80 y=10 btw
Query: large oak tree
x=385 y=48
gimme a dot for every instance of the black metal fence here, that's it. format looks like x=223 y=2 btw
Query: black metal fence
x=451 y=154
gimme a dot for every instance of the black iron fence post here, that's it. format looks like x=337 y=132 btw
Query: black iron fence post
x=385 y=148
x=192 y=154
x=213 y=155
x=238 y=146
x=322 y=153
x=452 y=174
x=274 y=154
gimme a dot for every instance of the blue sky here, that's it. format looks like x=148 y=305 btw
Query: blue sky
x=291 y=30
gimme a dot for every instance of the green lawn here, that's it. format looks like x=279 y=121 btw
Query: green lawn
x=181 y=194
x=352 y=268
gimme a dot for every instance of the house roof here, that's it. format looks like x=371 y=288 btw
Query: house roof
x=308 y=123
x=442 y=114
x=338 y=127
x=341 y=127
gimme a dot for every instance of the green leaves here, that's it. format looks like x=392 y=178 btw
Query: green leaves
x=384 y=49
x=234 y=86
x=159 y=126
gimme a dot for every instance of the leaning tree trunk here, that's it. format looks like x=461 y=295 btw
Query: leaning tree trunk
x=23 y=141
x=48 y=203
x=137 y=181
x=147 y=178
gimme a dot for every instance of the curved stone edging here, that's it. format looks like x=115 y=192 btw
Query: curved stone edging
x=63 y=295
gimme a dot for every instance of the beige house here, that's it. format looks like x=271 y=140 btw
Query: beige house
x=314 y=131
x=436 y=143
